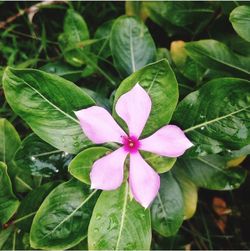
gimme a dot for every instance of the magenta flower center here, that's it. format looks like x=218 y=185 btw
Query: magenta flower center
x=131 y=144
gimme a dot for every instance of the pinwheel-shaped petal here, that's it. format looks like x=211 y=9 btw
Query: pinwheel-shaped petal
x=107 y=172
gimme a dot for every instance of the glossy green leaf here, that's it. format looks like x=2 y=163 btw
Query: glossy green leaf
x=39 y=158
x=216 y=55
x=14 y=241
x=167 y=210
x=81 y=165
x=119 y=223
x=187 y=66
x=22 y=180
x=63 y=70
x=132 y=46
x=160 y=83
x=30 y=204
x=174 y=16
x=240 y=19
x=216 y=117
x=181 y=13
x=62 y=220
x=8 y=201
x=102 y=47
x=211 y=172
x=9 y=140
x=189 y=193
x=47 y=103
x=4 y=236
x=161 y=164
x=75 y=32
x=99 y=99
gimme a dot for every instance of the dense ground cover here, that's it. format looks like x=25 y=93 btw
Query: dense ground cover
x=191 y=58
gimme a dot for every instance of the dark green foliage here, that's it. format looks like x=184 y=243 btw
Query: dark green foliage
x=193 y=59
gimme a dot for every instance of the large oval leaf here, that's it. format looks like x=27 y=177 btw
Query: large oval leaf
x=47 y=103
x=119 y=223
x=8 y=201
x=132 y=46
x=10 y=141
x=75 y=32
x=167 y=209
x=240 y=19
x=160 y=83
x=211 y=172
x=62 y=220
x=216 y=55
x=30 y=204
x=39 y=158
x=217 y=117
x=173 y=15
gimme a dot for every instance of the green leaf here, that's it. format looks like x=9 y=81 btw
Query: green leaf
x=161 y=164
x=62 y=220
x=22 y=180
x=81 y=165
x=215 y=55
x=211 y=172
x=181 y=13
x=132 y=46
x=189 y=193
x=14 y=241
x=75 y=27
x=119 y=223
x=10 y=141
x=4 y=236
x=102 y=47
x=187 y=66
x=39 y=158
x=63 y=70
x=8 y=201
x=216 y=117
x=47 y=103
x=174 y=16
x=30 y=204
x=75 y=32
x=167 y=210
x=240 y=19
x=159 y=81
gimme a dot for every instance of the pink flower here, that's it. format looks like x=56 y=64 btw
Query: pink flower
x=107 y=172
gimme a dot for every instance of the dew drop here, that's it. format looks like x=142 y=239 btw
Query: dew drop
x=33 y=158
x=203 y=127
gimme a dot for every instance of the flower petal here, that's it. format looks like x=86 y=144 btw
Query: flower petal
x=107 y=172
x=134 y=108
x=168 y=141
x=99 y=126
x=143 y=180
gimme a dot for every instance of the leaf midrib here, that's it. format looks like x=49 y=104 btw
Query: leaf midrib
x=50 y=103
x=219 y=61
x=215 y=120
x=131 y=48
x=70 y=215
x=122 y=217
